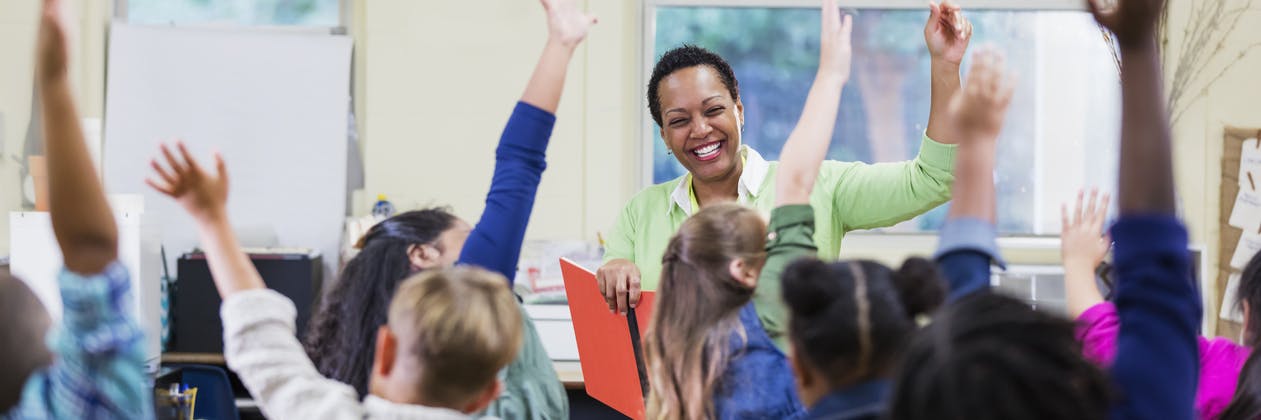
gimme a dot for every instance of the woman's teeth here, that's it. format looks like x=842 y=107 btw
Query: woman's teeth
x=707 y=151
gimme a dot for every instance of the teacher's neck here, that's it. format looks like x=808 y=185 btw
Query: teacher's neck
x=722 y=190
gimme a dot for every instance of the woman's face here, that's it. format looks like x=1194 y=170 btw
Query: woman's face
x=701 y=123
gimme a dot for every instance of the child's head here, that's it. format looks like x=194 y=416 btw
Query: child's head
x=1248 y=300
x=708 y=273
x=1246 y=403
x=23 y=351
x=343 y=332
x=989 y=356
x=850 y=320
x=428 y=238
x=450 y=331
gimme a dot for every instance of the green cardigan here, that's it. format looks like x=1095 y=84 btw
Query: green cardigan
x=847 y=196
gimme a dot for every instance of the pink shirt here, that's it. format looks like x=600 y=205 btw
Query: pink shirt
x=1220 y=359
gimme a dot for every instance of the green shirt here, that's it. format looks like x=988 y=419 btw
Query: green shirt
x=531 y=389
x=790 y=238
x=847 y=196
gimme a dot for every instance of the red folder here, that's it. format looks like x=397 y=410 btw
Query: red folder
x=610 y=354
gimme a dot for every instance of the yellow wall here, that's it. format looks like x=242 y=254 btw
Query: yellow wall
x=18 y=23
x=1234 y=100
x=441 y=81
x=17 y=40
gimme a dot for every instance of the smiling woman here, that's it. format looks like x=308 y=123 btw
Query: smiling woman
x=701 y=119
x=695 y=101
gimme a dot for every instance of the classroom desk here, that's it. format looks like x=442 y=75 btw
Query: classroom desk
x=581 y=405
x=552 y=321
x=197 y=358
x=570 y=373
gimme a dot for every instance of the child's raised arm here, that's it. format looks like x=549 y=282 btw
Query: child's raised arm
x=1156 y=300
x=204 y=196
x=978 y=112
x=520 y=158
x=967 y=246
x=566 y=28
x=1083 y=246
x=792 y=221
x=1146 y=174
x=81 y=217
x=805 y=148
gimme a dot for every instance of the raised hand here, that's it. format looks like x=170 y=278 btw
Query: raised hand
x=1133 y=21
x=1082 y=242
x=976 y=112
x=1083 y=246
x=979 y=108
x=52 y=57
x=202 y=194
x=566 y=24
x=947 y=32
x=835 y=51
x=807 y=144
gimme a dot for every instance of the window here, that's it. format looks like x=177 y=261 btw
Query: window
x=1061 y=132
x=326 y=13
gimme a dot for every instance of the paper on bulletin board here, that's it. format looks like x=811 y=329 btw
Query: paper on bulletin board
x=1230 y=311
x=1246 y=214
x=1250 y=166
x=1249 y=245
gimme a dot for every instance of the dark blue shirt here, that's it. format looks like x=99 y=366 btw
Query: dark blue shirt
x=758 y=383
x=1157 y=360
x=864 y=401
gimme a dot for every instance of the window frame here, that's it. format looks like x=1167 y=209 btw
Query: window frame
x=344 y=20
x=647 y=42
x=648 y=35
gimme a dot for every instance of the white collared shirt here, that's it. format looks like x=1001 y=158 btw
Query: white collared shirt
x=751 y=178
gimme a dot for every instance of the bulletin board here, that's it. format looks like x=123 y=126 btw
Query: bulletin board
x=1229 y=237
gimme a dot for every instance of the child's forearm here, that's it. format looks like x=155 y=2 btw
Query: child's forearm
x=81 y=217
x=1146 y=184
x=805 y=148
x=231 y=268
x=973 y=195
x=548 y=80
x=1081 y=293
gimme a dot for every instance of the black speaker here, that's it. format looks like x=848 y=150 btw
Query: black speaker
x=194 y=314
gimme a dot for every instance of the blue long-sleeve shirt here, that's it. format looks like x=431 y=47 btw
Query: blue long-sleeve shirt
x=965 y=250
x=1157 y=362
x=1157 y=356
x=99 y=371
x=531 y=387
x=495 y=243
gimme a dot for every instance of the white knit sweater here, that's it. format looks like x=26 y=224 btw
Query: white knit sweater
x=260 y=346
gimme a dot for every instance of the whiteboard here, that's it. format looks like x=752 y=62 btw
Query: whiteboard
x=274 y=103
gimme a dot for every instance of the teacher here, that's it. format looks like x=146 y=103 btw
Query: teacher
x=694 y=98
